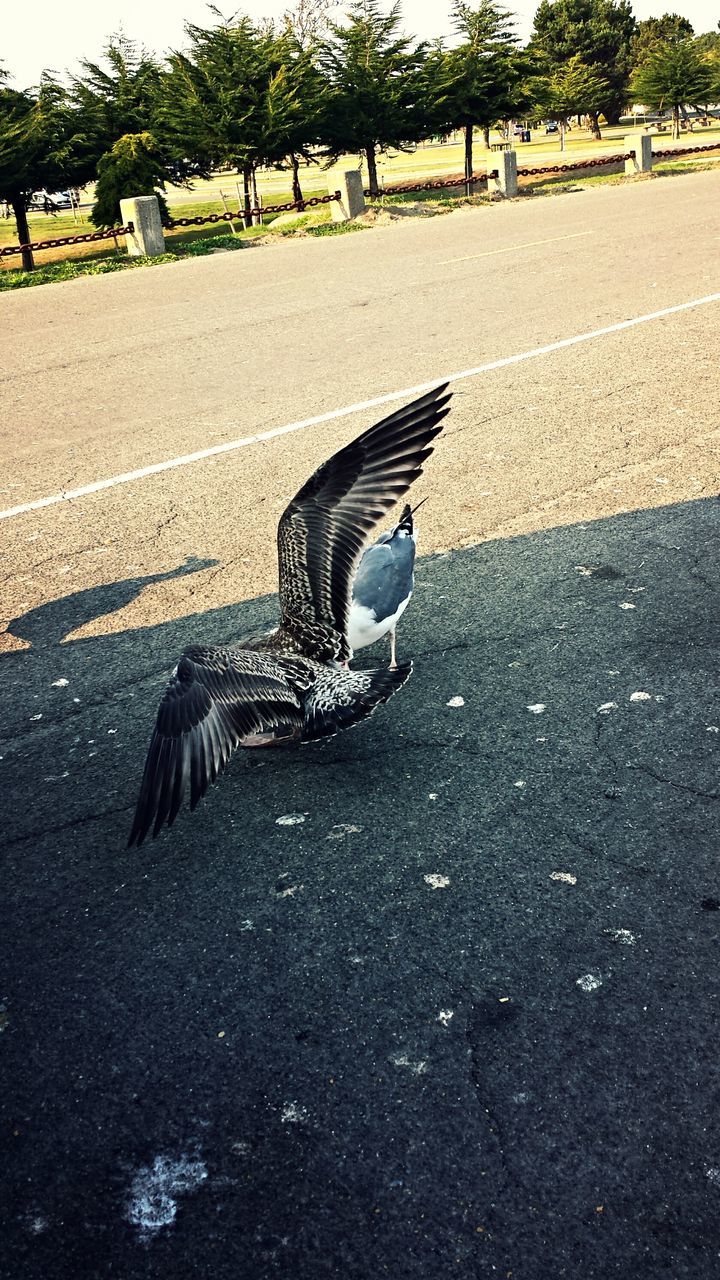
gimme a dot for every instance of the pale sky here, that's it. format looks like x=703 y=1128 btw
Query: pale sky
x=44 y=34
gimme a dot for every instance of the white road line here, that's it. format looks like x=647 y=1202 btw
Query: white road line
x=515 y=248
x=391 y=396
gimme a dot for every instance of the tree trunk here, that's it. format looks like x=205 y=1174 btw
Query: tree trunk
x=486 y=136
x=561 y=124
x=676 y=122
x=247 y=203
x=468 y=159
x=595 y=125
x=372 y=170
x=23 y=231
x=296 y=188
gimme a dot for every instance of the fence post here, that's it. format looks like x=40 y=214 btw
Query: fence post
x=352 y=200
x=147 y=239
x=641 y=144
x=505 y=164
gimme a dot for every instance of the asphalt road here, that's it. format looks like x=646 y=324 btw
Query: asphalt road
x=457 y=1014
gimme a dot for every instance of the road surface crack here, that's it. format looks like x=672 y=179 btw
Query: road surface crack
x=677 y=786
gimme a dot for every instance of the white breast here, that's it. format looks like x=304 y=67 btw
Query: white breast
x=364 y=628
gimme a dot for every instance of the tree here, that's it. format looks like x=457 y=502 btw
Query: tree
x=600 y=33
x=233 y=99
x=674 y=75
x=119 y=96
x=571 y=90
x=132 y=167
x=376 y=86
x=708 y=42
x=42 y=145
x=667 y=29
x=308 y=22
x=480 y=81
x=295 y=53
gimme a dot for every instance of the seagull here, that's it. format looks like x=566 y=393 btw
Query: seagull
x=383 y=585
x=293 y=684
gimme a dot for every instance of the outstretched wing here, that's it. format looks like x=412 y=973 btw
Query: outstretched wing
x=341 y=698
x=324 y=529
x=214 y=699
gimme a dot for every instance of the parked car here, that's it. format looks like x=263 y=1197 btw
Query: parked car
x=50 y=201
x=552 y=126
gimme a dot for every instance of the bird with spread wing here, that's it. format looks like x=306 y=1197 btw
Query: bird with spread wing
x=293 y=684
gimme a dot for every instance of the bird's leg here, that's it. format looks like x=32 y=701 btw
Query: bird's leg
x=393 y=656
x=271 y=738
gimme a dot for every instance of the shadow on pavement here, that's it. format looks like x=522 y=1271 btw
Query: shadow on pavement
x=51 y=623
x=461 y=1018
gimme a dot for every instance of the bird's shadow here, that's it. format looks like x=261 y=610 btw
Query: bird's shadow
x=60 y=690
x=53 y=622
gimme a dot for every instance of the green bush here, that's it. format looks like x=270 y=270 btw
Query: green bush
x=132 y=167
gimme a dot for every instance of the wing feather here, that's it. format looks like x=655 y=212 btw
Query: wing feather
x=323 y=530
x=213 y=700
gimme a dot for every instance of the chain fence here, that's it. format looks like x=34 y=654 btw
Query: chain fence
x=433 y=184
x=238 y=216
x=685 y=151
x=407 y=188
x=577 y=164
x=88 y=238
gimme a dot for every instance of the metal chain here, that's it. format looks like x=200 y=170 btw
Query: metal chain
x=174 y=222
x=248 y=213
x=578 y=164
x=57 y=244
x=432 y=186
x=684 y=151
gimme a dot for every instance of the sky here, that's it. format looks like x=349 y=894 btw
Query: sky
x=43 y=34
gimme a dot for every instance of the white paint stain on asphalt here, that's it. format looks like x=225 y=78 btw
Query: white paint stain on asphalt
x=456 y=702
x=155 y=1189
x=128 y=477
x=537 y=708
x=623 y=936
x=290 y=819
x=589 y=982
x=564 y=876
x=402 y=1060
x=436 y=882
x=292 y=1113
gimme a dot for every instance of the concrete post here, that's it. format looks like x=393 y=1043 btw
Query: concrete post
x=641 y=144
x=147 y=240
x=352 y=200
x=505 y=182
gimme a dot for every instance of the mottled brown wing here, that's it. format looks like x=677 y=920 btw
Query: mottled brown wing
x=212 y=701
x=342 y=698
x=323 y=530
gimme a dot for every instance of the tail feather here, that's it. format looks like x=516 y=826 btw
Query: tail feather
x=339 y=699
